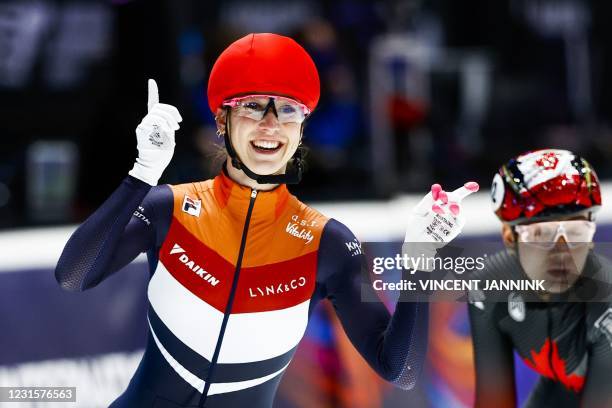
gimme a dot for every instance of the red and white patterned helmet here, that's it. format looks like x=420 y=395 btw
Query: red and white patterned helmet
x=545 y=184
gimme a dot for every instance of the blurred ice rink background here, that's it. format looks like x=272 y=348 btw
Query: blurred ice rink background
x=413 y=92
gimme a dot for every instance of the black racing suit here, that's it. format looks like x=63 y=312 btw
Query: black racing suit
x=568 y=343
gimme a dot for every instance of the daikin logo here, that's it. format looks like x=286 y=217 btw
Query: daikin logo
x=176 y=249
x=201 y=272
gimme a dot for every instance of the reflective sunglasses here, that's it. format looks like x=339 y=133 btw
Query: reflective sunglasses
x=546 y=234
x=257 y=106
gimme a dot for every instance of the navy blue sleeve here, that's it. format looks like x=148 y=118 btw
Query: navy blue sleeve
x=393 y=345
x=132 y=220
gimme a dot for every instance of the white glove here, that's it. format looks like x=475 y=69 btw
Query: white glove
x=155 y=136
x=434 y=222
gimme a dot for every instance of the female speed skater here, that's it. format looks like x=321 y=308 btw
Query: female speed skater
x=547 y=201
x=237 y=263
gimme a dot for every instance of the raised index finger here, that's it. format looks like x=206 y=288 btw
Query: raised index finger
x=464 y=191
x=153 y=94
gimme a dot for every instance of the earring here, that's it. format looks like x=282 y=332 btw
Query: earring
x=220 y=133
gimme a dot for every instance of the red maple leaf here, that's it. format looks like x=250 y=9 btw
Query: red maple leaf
x=548 y=160
x=555 y=371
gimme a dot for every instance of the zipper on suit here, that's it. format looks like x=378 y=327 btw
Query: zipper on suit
x=230 y=300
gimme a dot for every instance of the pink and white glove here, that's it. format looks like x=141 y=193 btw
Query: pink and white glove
x=435 y=221
x=155 y=136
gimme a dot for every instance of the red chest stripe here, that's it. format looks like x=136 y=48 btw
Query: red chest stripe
x=260 y=288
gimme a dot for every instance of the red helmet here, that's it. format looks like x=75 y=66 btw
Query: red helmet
x=544 y=184
x=264 y=63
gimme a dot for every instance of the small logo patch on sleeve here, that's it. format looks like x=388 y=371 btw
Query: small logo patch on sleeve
x=139 y=213
x=354 y=247
x=191 y=206
x=476 y=297
x=604 y=324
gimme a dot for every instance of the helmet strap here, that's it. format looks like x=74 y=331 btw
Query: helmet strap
x=293 y=174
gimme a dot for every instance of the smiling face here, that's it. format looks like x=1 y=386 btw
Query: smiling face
x=265 y=146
